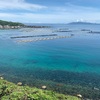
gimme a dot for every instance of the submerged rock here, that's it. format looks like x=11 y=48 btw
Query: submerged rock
x=97 y=89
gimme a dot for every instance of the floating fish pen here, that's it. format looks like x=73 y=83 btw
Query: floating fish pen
x=43 y=39
x=37 y=26
x=33 y=36
x=85 y=30
x=94 y=32
x=64 y=31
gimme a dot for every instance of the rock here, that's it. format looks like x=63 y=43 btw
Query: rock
x=96 y=88
x=19 y=83
x=44 y=87
x=1 y=78
x=79 y=95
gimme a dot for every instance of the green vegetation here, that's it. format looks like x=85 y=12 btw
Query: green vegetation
x=10 y=91
x=10 y=23
x=68 y=83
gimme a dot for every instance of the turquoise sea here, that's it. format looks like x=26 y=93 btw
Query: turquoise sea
x=74 y=60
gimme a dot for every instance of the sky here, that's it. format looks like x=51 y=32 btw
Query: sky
x=50 y=11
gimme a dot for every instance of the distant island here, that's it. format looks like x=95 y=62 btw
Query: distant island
x=83 y=23
x=10 y=25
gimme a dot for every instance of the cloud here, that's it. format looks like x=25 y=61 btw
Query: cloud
x=56 y=14
x=19 y=4
x=70 y=7
x=50 y=18
x=73 y=9
x=33 y=18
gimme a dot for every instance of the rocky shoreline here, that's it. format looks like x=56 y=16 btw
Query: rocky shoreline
x=17 y=91
x=18 y=27
x=9 y=27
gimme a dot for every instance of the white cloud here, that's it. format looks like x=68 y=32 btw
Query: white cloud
x=19 y=4
x=51 y=15
x=81 y=8
x=50 y=18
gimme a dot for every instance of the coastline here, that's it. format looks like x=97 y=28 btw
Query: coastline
x=9 y=27
x=62 y=82
x=20 y=92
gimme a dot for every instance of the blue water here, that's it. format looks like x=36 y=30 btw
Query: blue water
x=80 y=53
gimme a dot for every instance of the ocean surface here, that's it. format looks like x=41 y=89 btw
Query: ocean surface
x=51 y=59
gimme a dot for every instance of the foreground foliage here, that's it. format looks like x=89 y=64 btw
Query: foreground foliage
x=10 y=91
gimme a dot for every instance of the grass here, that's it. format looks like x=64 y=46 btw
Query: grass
x=11 y=91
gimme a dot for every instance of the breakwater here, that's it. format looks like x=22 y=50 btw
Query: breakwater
x=29 y=26
x=64 y=31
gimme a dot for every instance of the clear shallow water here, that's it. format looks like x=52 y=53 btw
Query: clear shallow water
x=78 y=54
